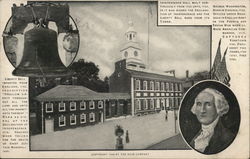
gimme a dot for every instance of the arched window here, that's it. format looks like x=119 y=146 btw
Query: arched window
x=145 y=84
x=151 y=85
x=100 y=104
x=157 y=86
x=145 y=103
x=138 y=104
x=162 y=86
x=126 y=54
x=167 y=86
x=135 y=53
x=137 y=85
x=152 y=104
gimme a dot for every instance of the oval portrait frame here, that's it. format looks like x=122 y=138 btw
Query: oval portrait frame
x=189 y=125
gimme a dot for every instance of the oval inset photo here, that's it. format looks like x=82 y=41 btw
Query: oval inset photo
x=209 y=117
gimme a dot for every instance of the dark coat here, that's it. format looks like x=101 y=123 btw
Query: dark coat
x=220 y=140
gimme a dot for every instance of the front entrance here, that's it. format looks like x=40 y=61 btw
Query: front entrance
x=49 y=125
x=100 y=117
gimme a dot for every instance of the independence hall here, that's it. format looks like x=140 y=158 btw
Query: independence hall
x=133 y=91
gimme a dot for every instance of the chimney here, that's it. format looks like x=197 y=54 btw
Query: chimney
x=187 y=74
x=58 y=81
x=74 y=80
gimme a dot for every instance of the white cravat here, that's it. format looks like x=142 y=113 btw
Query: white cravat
x=201 y=142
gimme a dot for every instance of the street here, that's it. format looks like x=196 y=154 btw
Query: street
x=144 y=131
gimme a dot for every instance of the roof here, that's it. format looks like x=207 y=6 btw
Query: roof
x=152 y=75
x=131 y=44
x=73 y=92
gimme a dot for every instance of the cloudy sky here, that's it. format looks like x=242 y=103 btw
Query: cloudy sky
x=102 y=26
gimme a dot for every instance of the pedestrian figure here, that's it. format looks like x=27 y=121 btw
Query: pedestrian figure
x=127 y=137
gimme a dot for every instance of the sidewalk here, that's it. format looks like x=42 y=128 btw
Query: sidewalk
x=143 y=132
x=172 y=143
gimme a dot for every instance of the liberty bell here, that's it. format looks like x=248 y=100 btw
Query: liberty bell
x=40 y=55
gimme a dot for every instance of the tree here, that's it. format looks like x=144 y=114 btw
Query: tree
x=87 y=74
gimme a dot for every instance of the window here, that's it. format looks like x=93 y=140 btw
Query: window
x=152 y=103
x=180 y=87
x=49 y=107
x=126 y=54
x=72 y=106
x=61 y=107
x=157 y=103
x=167 y=102
x=171 y=87
x=73 y=119
x=137 y=85
x=135 y=53
x=100 y=104
x=176 y=87
x=167 y=86
x=138 y=104
x=92 y=105
x=92 y=117
x=162 y=86
x=145 y=103
x=62 y=121
x=170 y=102
x=145 y=83
x=176 y=102
x=151 y=85
x=82 y=105
x=157 y=86
x=83 y=118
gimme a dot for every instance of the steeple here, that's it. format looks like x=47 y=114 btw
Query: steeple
x=131 y=33
x=131 y=50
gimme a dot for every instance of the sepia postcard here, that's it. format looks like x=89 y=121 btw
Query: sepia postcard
x=124 y=79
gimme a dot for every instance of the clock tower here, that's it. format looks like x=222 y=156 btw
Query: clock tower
x=131 y=50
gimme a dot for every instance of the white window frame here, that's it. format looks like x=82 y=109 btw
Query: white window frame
x=61 y=106
x=170 y=102
x=70 y=105
x=83 y=105
x=100 y=103
x=176 y=87
x=171 y=87
x=64 y=121
x=70 y=119
x=91 y=106
x=167 y=102
x=152 y=104
x=157 y=86
x=167 y=86
x=180 y=87
x=145 y=101
x=137 y=84
x=158 y=104
x=152 y=86
x=83 y=116
x=176 y=102
x=138 y=104
x=93 y=114
x=162 y=86
x=145 y=85
x=47 y=105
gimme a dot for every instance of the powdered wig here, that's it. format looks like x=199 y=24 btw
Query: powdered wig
x=220 y=102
